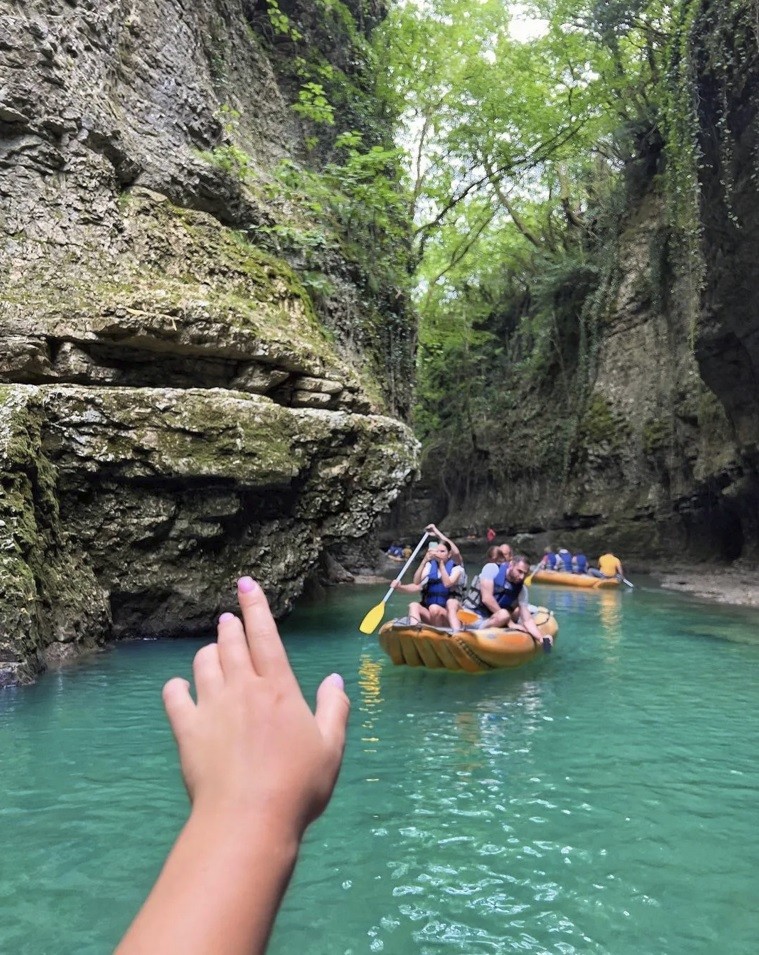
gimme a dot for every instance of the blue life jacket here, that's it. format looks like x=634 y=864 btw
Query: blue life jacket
x=505 y=592
x=581 y=562
x=566 y=560
x=550 y=561
x=435 y=592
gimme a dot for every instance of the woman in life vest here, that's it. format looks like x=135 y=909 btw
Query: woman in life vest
x=440 y=585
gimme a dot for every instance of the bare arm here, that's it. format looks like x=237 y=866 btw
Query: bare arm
x=406 y=588
x=259 y=767
x=525 y=617
x=449 y=580
x=419 y=572
x=487 y=596
x=455 y=552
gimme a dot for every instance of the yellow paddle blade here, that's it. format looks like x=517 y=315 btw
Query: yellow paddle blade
x=467 y=616
x=372 y=620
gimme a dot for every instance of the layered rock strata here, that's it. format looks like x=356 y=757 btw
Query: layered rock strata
x=175 y=408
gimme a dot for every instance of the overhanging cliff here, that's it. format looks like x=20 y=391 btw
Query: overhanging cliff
x=199 y=378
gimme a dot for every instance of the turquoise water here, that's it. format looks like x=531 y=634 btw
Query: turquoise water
x=600 y=800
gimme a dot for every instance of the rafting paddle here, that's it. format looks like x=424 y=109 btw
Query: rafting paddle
x=528 y=579
x=371 y=621
x=626 y=581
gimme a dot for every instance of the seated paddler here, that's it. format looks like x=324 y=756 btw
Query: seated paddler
x=500 y=599
x=441 y=584
x=609 y=568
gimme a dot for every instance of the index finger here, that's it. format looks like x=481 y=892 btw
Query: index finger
x=266 y=649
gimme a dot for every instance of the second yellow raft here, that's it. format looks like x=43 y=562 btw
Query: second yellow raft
x=564 y=579
x=470 y=651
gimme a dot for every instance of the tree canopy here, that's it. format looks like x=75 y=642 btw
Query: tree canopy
x=524 y=124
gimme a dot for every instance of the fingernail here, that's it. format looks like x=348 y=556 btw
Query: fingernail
x=226 y=617
x=246 y=585
x=337 y=680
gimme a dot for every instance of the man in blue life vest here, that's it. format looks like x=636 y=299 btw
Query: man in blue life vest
x=441 y=583
x=502 y=599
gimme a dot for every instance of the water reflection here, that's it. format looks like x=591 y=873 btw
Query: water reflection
x=491 y=726
x=604 y=604
x=611 y=615
x=369 y=673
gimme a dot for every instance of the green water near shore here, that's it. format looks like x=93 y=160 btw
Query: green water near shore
x=599 y=800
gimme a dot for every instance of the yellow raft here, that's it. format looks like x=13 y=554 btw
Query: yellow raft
x=564 y=579
x=473 y=651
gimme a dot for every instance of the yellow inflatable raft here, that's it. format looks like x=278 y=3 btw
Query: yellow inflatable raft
x=473 y=651
x=564 y=579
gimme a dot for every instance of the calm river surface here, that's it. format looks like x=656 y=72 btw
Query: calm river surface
x=600 y=800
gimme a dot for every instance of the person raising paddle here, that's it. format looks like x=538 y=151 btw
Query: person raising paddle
x=441 y=582
x=455 y=552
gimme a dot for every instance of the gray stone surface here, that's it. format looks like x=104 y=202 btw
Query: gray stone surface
x=175 y=408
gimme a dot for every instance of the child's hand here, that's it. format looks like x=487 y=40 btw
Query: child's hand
x=250 y=746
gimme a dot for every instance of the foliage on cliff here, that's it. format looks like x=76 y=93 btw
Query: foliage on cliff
x=537 y=133
x=340 y=194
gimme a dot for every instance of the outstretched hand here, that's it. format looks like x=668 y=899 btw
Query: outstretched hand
x=250 y=743
x=259 y=766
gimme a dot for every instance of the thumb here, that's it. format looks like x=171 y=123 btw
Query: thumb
x=332 y=709
x=179 y=706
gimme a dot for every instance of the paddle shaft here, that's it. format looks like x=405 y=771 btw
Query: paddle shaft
x=406 y=565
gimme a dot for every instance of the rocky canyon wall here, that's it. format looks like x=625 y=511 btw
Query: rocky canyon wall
x=177 y=406
x=645 y=461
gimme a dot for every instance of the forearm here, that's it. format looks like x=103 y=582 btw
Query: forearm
x=529 y=624
x=218 y=891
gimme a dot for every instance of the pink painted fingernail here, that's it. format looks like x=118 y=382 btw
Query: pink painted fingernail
x=246 y=585
x=226 y=617
x=337 y=680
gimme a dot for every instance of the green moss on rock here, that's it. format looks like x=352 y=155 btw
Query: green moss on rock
x=600 y=426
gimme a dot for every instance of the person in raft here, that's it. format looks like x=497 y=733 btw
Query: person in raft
x=494 y=554
x=259 y=767
x=455 y=552
x=609 y=566
x=441 y=584
x=501 y=599
x=564 y=560
x=548 y=560
x=507 y=554
x=579 y=563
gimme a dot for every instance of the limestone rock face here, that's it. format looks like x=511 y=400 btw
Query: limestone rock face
x=727 y=331
x=651 y=466
x=176 y=407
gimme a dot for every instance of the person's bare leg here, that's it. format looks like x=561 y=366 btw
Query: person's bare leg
x=417 y=613
x=452 y=608
x=438 y=616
